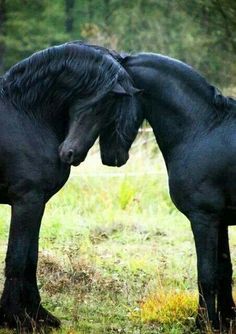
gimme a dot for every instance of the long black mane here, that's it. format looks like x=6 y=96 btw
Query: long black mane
x=129 y=113
x=114 y=54
x=55 y=77
x=184 y=71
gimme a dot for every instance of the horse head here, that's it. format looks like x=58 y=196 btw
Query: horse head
x=87 y=120
x=102 y=114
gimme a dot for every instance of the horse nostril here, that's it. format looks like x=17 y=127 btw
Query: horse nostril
x=70 y=156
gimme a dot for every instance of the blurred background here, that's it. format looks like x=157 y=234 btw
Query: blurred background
x=115 y=254
x=199 y=32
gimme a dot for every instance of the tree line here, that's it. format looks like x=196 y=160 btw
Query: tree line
x=199 y=32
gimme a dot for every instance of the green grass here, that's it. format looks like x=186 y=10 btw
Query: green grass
x=115 y=255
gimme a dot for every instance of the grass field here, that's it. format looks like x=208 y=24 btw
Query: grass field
x=115 y=255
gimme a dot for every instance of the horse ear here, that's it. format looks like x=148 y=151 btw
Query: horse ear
x=135 y=91
x=119 y=90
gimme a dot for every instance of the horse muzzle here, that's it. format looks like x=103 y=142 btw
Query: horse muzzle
x=115 y=160
x=70 y=156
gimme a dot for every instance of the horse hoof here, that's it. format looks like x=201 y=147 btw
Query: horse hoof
x=20 y=321
x=47 y=319
x=28 y=321
x=205 y=326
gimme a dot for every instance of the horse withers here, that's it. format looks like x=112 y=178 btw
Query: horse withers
x=195 y=128
x=38 y=98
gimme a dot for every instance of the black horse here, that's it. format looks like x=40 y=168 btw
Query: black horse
x=195 y=128
x=38 y=97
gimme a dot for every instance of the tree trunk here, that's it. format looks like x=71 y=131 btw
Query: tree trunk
x=107 y=12
x=228 y=25
x=69 y=11
x=2 y=32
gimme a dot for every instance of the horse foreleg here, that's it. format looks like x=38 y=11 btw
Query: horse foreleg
x=225 y=303
x=40 y=314
x=20 y=299
x=30 y=279
x=205 y=231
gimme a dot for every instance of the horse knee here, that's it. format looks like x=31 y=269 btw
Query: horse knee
x=207 y=283
x=207 y=288
x=225 y=270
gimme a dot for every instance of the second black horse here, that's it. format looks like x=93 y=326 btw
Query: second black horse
x=195 y=128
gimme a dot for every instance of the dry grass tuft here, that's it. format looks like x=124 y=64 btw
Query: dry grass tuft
x=166 y=307
x=58 y=277
x=74 y=277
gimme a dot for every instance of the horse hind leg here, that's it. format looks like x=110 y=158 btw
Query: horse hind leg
x=225 y=302
x=205 y=230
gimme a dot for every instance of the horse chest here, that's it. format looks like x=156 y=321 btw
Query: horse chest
x=56 y=180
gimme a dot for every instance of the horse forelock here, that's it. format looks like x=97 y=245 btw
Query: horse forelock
x=59 y=75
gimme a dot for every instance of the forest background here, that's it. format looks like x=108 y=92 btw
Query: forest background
x=199 y=32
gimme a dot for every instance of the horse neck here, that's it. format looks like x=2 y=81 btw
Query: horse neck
x=176 y=100
x=56 y=126
x=59 y=125
x=45 y=102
